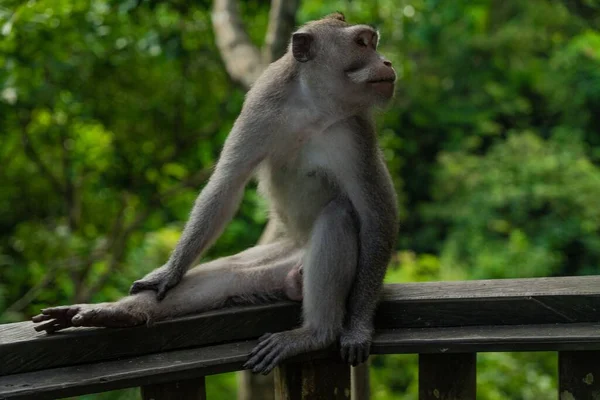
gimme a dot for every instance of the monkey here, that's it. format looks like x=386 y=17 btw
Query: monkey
x=306 y=131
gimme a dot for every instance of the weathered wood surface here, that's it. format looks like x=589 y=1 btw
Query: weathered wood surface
x=319 y=379
x=360 y=382
x=191 y=363
x=447 y=376
x=189 y=389
x=579 y=375
x=491 y=302
x=117 y=374
x=546 y=337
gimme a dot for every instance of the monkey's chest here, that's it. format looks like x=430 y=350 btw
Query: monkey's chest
x=300 y=185
x=297 y=196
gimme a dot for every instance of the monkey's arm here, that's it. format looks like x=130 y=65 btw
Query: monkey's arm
x=214 y=207
x=377 y=210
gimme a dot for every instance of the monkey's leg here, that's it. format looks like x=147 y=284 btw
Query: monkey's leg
x=293 y=283
x=259 y=272
x=328 y=271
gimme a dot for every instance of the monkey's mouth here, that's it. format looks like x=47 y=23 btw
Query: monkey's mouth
x=390 y=79
x=385 y=86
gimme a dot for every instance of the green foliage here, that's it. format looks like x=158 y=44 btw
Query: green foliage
x=112 y=114
x=526 y=208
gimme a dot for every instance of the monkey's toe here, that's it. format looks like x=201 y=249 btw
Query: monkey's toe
x=142 y=285
x=271 y=349
x=56 y=318
x=355 y=353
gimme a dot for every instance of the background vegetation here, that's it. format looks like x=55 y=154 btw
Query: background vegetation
x=113 y=112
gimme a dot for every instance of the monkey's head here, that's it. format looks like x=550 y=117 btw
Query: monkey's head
x=342 y=59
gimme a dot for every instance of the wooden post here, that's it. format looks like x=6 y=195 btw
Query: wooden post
x=447 y=376
x=190 y=389
x=313 y=380
x=578 y=375
x=361 y=384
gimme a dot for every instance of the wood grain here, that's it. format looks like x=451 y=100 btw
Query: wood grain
x=447 y=376
x=189 y=389
x=578 y=375
x=327 y=379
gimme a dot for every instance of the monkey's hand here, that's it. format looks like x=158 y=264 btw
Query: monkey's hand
x=355 y=344
x=160 y=280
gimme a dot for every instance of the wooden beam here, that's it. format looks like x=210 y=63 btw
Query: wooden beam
x=414 y=305
x=361 y=384
x=147 y=370
x=192 y=363
x=447 y=376
x=466 y=339
x=190 y=389
x=578 y=375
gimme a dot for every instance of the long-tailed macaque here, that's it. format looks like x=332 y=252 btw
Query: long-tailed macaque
x=306 y=131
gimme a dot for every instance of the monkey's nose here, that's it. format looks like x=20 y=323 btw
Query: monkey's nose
x=387 y=63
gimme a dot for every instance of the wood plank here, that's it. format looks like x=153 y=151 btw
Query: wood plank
x=414 y=305
x=578 y=375
x=288 y=382
x=179 y=365
x=361 y=382
x=547 y=337
x=22 y=349
x=327 y=379
x=189 y=389
x=447 y=376
x=196 y=362
x=490 y=302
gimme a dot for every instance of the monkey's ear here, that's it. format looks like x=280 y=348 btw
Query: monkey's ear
x=301 y=46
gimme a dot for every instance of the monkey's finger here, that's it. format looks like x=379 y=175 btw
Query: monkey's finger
x=344 y=353
x=366 y=350
x=56 y=327
x=268 y=364
x=260 y=343
x=56 y=311
x=137 y=287
x=261 y=354
x=49 y=326
x=262 y=367
x=359 y=355
x=265 y=337
x=161 y=293
x=351 y=355
x=41 y=318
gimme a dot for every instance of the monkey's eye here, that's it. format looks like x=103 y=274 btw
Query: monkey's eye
x=362 y=41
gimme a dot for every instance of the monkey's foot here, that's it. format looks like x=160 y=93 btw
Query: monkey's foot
x=272 y=348
x=160 y=281
x=355 y=345
x=110 y=315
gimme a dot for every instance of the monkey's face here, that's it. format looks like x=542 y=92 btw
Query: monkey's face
x=343 y=60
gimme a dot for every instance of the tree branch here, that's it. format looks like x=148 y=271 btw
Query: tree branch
x=282 y=21
x=242 y=59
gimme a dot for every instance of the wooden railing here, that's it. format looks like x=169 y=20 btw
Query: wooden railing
x=446 y=323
